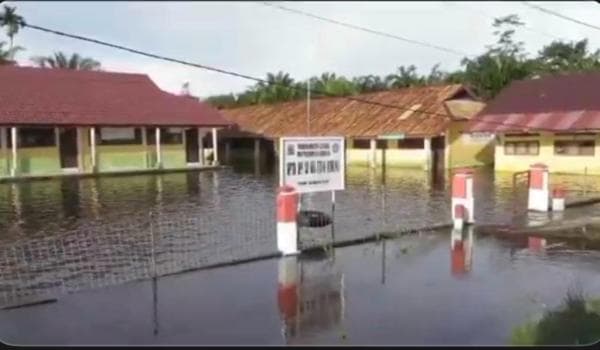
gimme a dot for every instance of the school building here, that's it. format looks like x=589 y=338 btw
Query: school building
x=553 y=120
x=64 y=122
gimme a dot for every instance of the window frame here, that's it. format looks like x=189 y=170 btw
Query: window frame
x=20 y=137
x=137 y=138
x=579 y=148
x=514 y=144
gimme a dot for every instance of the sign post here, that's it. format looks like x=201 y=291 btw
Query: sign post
x=313 y=164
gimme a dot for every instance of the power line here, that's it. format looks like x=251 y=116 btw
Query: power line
x=219 y=70
x=539 y=8
x=525 y=27
x=372 y=31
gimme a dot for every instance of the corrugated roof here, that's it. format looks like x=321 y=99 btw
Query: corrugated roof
x=30 y=96
x=561 y=102
x=344 y=117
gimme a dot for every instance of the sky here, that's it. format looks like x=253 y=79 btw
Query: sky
x=252 y=38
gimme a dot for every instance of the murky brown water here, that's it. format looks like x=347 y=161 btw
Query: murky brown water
x=67 y=235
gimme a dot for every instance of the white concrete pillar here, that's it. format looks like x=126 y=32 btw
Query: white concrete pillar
x=215 y=147
x=539 y=194
x=427 y=149
x=3 y=137
x=93 y=147
x=14 y=167
x=145 y=143
x=158 y=152
x=79 y=149
x=201 y=146
x=373 y=157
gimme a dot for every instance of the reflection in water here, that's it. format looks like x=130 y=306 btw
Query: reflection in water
x=461 y=246
x=70 y=191
x=310 y=297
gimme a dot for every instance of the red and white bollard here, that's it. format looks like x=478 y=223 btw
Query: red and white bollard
x=539 y=195
x=287 y=227
x=536 y=244
x=558 y=199
x=287 y=287
x=462 y=196
x=459 y=216
x=461 y=251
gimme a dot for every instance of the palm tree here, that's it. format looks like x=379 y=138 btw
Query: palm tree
x=405 y=77
x=8 y=55
x=60 y=60
x=278 y=87
x=11 y=21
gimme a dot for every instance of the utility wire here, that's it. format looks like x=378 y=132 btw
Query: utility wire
x=539 y=8
x=372 y=31
x=525 y=27
x=219 y=70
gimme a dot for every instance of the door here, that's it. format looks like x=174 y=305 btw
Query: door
x=191 y=146
x=68 y=148
x=438 y=149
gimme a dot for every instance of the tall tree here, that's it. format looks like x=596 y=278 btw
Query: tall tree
x=559 y=56
x=332 y=85
x=12 y=21
x=278 y=87
x=405 y=77
x=502 y=63
x=60 y=60
x=7 y=55
x=369 y=83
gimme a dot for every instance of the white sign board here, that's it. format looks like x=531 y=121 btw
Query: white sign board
x=312 y=164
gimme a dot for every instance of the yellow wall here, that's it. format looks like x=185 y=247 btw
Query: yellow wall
x=555 y=163
x=394 y=157
x=466 y=150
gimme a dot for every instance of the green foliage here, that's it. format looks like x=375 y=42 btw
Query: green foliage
x=12 y=21
x=60 y=60
x=576 y=322
x=7 y=55
x=503 y=62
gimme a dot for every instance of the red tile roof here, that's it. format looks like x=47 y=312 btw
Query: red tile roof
x=554 y=103
x=35 y=96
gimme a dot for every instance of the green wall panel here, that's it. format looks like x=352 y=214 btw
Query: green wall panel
x=38 y=161
x=173 y=156
x=121 y=157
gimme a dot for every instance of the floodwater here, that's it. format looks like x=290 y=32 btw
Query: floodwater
x=94 y=245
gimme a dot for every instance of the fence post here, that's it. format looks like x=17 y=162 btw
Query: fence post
x=287 y=226
x=539 y=195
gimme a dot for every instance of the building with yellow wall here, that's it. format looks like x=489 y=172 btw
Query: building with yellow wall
x=65 y=122
x=417 y=127
x=553 y=120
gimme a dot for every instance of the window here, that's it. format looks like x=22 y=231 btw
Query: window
x=361 y=144
x=6 y=137
x=168 y=136
x=382 y=144
x=120 y=136
x=522 y=148
x=411 y=144
x=574 y=148
x=36 y=137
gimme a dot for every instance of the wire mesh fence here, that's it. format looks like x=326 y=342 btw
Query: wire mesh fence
x=104 y=254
